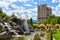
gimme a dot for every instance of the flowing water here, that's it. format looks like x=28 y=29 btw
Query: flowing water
x=26 y=26
x=10 y=28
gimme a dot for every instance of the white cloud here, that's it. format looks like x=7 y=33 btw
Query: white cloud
x=27 y=4
x=11 y=1
x=13 y=6
x=54 y=1
x=56 y=10
x=23 y=1
x=35 y=3
x=34 y=18
x=58 y=5
x=8 y=4
x=33 y=13
x=28 y=13
x=3 y=3
x=10 y=13
x=21 y=9
x=44 y=0
x=35 y=9
x=23 y=16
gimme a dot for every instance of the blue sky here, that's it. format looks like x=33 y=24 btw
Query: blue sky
x=28 y=8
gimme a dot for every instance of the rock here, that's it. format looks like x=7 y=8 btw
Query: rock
x=3 y=35
x=36 y=37
x=17 y=38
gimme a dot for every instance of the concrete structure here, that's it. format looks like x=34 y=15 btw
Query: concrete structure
x=43 y=13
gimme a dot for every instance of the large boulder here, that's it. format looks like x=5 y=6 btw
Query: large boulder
x=36 y=37
x=3 y=35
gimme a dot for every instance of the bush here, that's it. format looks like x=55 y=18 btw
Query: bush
x=35 y=25
x=49 y=25
x=42 y=26
x=56 y=25
x=4 y=16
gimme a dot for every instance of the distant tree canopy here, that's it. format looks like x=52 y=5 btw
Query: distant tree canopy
x=52 y=19
x=30 y=21
x=3 y=15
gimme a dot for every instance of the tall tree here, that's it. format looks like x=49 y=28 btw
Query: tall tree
x=31 y=21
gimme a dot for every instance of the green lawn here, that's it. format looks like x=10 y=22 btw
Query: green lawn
x=56 y=35
x=48 y=36
x=13 y=38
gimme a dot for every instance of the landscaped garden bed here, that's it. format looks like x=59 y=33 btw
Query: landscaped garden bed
x=48 y=36
x=56 y=35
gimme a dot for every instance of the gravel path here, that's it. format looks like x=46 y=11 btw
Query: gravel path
x=43 y=38
x=30 y=37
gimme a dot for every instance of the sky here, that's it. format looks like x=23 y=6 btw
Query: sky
x=28 y=8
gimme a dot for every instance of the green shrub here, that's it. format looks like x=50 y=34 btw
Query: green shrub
x=35 y=25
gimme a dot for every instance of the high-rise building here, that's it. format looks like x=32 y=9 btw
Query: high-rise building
x=43 y=13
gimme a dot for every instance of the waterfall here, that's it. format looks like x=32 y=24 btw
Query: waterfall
x=10 y=28
x=26 y=26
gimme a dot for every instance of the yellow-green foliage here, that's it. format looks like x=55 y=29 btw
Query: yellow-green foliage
x=42 y=25
x=38 y=25
x=35 y=25
x=48 y=36
x=56 y=35
x=3 y=16
x=57 y=25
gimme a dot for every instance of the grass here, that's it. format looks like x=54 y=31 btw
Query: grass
x=48 y=36
x=57 y=35
x=13 y=38
x=17 y=38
